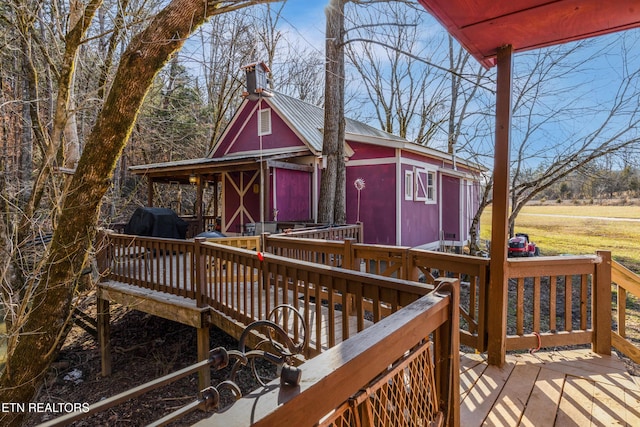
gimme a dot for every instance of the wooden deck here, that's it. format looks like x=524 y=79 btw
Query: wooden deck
x=556 y=388
x=185 y=310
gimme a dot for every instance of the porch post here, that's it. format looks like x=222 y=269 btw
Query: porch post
x=265 y=186
x=601 y=304
x=150 y=192
x=198 y=212
x=216 y=206
x=498 y=284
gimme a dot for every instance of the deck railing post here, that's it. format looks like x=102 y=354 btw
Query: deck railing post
x=200 y=269
x=348 y=257
x=601 y=305
x=104 y=252
x=202 y=332
x=447 y=353
x=498 y=286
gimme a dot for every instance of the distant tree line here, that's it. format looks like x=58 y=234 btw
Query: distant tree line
x=595 y=184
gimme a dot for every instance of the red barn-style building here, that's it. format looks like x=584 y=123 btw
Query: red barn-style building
x=268 y=164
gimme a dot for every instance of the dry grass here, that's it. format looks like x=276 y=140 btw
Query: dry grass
x=579 y=230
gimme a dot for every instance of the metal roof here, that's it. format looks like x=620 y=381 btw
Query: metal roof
x=308 y=121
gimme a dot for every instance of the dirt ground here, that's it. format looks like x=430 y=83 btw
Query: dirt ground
x=145 y=347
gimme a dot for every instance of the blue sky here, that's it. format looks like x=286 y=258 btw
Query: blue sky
x=303 y=21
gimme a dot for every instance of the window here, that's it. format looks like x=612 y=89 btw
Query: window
x=408 y=185
x=264 y=122
x=431 y=187
x=425 y=186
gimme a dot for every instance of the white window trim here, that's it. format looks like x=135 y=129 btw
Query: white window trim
x=267 y=113
x=431 y=198
x=408 y=185
x=425 y=186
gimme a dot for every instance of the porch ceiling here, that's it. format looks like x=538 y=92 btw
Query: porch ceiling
x=180 y=170
x=482 y=26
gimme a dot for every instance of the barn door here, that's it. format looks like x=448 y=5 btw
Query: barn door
x=241 y=200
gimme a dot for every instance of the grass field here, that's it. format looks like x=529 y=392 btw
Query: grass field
x=578 y=230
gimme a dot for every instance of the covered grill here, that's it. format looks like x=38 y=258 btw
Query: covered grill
x=156 y=222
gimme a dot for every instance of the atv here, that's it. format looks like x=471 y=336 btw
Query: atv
x=520 y=246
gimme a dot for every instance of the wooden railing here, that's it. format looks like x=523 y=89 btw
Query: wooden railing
x=386 y=373
x=554 y=303
x=330 y=232
x=244 y=285
x=336 y=303
x=165 y=265
x=626 y=285
x=473 y=273
x=402 y=263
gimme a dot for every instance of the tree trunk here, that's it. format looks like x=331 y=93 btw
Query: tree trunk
x=332 y=204
x=45 y=329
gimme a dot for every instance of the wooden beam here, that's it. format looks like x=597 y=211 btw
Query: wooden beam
x=204 y=375
x=289 y=166
x=497 y=325
x=167 y=306
x=104 y=335
x=198 y=211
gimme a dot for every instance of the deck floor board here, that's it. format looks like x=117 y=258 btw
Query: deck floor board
x=554 y=388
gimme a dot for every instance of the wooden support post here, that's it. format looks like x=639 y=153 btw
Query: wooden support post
x=497 y=316
x=601 y=304
x=447 y=354
x=198 y=211
x=104 y=334
x=204 y=375
x=216 y=205
x=150 y=192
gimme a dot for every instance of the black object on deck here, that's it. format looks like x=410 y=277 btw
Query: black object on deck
x=156 y=222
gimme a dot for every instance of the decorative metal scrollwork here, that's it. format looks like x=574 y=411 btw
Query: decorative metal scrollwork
x=278 y=348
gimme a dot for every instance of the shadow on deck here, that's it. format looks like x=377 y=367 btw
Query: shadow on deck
x=554 y=388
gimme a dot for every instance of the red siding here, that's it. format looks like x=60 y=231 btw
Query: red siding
x=243 y=134
x=377 y=202
x=369 y=151
x=420 y=222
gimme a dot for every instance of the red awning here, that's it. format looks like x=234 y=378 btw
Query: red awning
x=481 y=26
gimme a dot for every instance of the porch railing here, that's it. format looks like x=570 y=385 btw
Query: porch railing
x=330 y=232
x=391 y=372
x=554 y=301
x=245 y=285
x=626 y=286
x=402 y=263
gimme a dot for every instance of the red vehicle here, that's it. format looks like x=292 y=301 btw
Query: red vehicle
x=520 y=246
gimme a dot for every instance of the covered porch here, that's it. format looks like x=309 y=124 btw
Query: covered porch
x=233 y=195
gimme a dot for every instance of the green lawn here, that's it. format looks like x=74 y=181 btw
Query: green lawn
x=571 y=233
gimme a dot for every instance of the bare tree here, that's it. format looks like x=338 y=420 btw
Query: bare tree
x=332 y=203
x=384 y=48
x=42 y=333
